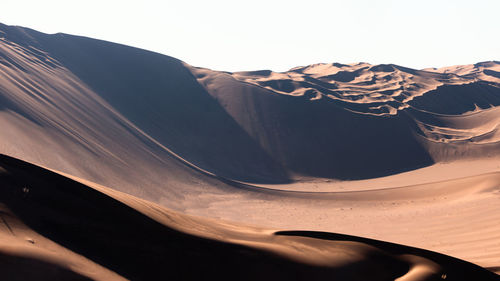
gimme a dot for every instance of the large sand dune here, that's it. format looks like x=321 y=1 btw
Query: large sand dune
x=379 y=151
x=56 y=228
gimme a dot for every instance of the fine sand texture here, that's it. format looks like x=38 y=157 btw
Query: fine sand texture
x=259 y=167
x=54 y=228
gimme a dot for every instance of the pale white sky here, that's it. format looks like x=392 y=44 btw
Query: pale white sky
x=266 y=34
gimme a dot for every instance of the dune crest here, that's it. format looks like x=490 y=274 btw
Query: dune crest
x=312 y=112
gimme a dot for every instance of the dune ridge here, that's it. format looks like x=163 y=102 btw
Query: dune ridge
x=377 y=151
x=284 y=126
x=439 y=115
x=214 y=249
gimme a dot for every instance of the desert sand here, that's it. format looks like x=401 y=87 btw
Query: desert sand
x=58 y=228
x=135 y=165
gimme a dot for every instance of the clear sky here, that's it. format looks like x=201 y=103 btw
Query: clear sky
x=265 y=34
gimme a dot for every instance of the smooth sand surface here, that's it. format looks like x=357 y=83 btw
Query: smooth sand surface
x=378 y=151
x=62 y=229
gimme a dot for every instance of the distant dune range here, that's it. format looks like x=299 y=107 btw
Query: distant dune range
x=380 y=151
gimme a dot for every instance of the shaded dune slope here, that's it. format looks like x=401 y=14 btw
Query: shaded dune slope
x=15 y=267
x=310 y=137
x=410 y=109
x=360 y=120
x=260 y=126
x=139 y=240
x=154 y=92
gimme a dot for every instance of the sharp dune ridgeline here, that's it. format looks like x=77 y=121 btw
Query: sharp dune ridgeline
x=120 y=163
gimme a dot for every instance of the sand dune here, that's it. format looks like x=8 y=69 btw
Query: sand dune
x=283 y=126
x=379 y=151
x=88 y=229
x=304 y=117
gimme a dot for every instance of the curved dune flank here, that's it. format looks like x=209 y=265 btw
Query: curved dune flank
x=379 y=151
x=56 y=228
x=114 y=103
x=393 y=118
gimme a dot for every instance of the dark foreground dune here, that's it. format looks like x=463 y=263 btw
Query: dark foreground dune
x=70 y=231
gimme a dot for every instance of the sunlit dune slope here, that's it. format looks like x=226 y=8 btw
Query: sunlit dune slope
x=61 y=229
